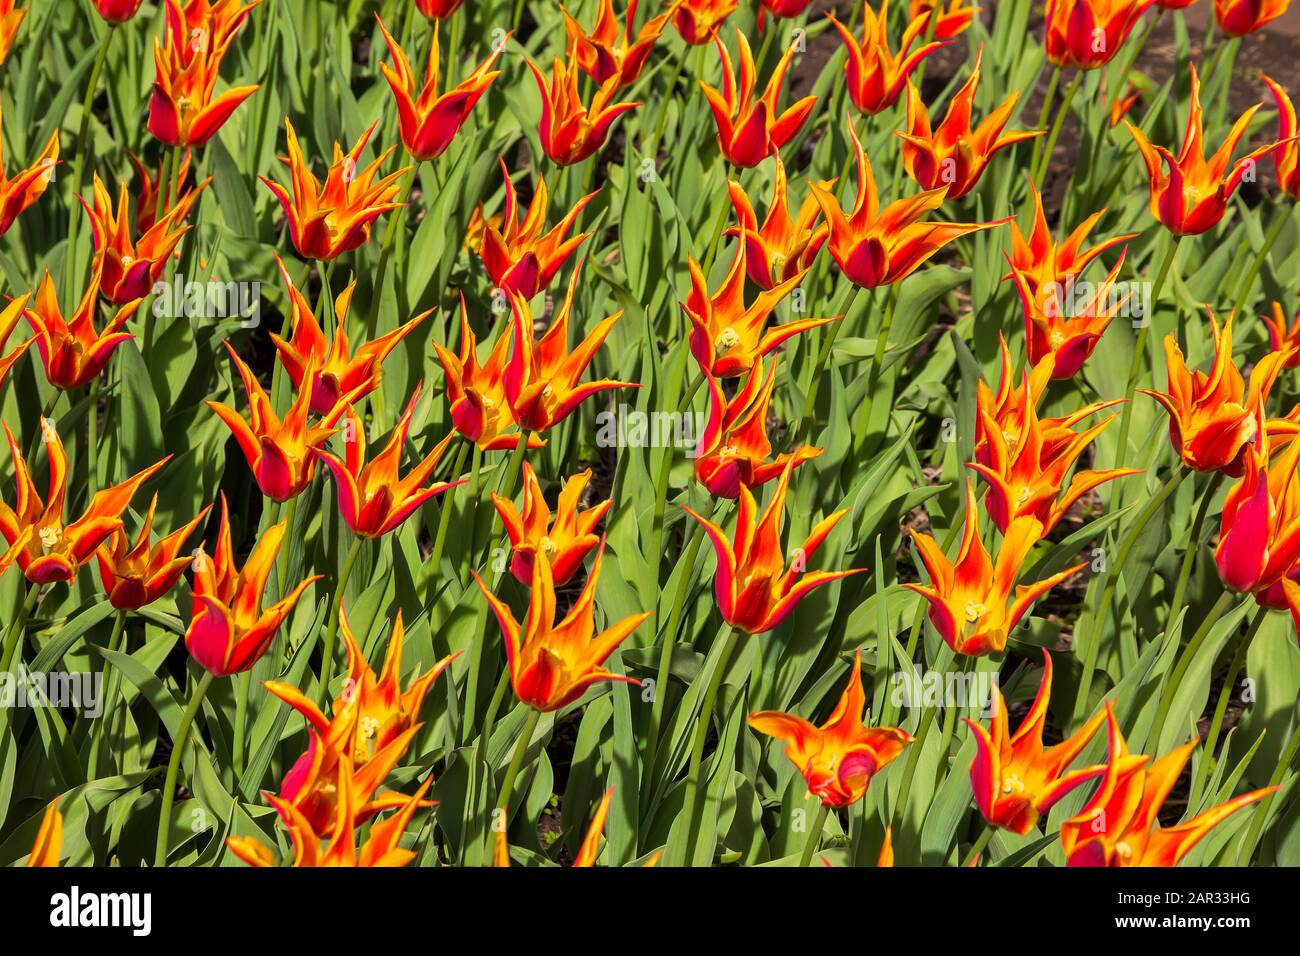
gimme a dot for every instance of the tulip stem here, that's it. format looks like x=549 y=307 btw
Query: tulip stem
x=1061 y=110
x=693 y=807
x=14 y=639
x=814 y=835
x=1194 y=541
x=1225 y=694
x=1184 y=661
x=1279 y=222
x=873 y=378
x=174 y=765
x=332 y=629
x=445 y=509
x=1246 y=849
x=819 y=367
x=79 y=165
x=110 y=680
x=1053 y=82
x=979 y=845
x=517 y=761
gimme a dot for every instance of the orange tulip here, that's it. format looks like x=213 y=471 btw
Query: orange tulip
x=752 y=128
x=117 y=11
x=566 y=542
x=838 y=759
x=338 y=370
x=381 y=848
x=151 y=182
x=1236 y=18
x=327 y=221
x=754 y=590
x=479 y=408
x=427 y=121
x=49 y=838
x=279 y=452
x=875 y=75
x=1014 y=778
x=229 y=631
x=541 y=379
x=139 y=574
x=373 y=500
x=438 y=9
x=734 y=449
x=130 y=269
x=953 y=154
x=782 y=247
x=727 y=337
x=697 y=21
x=1117 y=827
x=607 y=51
x=1190 y=194
x=72 y=352
x=876 y=247
x=373 y=723
x=1087 y=34
x=9 y=317
x=1283 y=338
x=1286 y=158
x=552 y=665
x=969 y=599
x=568 y=130
x=11 y=18
x=1120 y=106
x=29 y=185
x=207 y=22
x=517 y=255
x=950 y=18
x=47 y=549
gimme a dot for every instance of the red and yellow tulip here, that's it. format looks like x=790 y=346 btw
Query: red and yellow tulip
x=1236 y=18
x=9 y=317
x=782 y=246
x=1286 y=157
x=28 y=185
x=136 y=575
x=875 y=75
x=11 y=18
x=608 y=51
x=438 y=9
x=72 y=352
x=950 y=18
x=569 y=130
x=117 y=11
x=1283 y=337
x=698 y=21
x=1086 y=34
x=566 y=540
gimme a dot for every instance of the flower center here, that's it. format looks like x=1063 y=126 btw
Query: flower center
x=974 y=611
x=727 y=340
x=1012 y=784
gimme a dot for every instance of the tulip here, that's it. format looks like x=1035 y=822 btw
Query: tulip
x=1283 y=338
x=1047 y=265
x=427 y=121
x=752 y=128
x=206 y=23
x=477 y=228
x=1212 y=414
x=552 y=665
x=72 y=352
x=875 y=75
x=338 y=369
x=11 y=18
x=1014 y=778
x=49 y=838
x=1236 y=18
x=727 y=337
x=151 y=183
x=754 y=590
x=566 y=541
x=782 y=247
x=117 y=11
x=1087 y=34
x=838 y=759
x=607 y=51
x=136 y=575
x=782 y=8
x=373 y=500
x=697 y=21
x=372 y=724
x=953 y=154
x=569 y=131
x=229 y=630
x=969 y=599
x=876 y=247
x=278 y=452
x=734 y=449
x=327 y=221
x=46 y=548
x=29 y=185
x=1190 y=194
x=130 y=269
x=950 y=19
x=541 y=379
x=518 y=256
x=437 y=9
x=1121 y=105
x=1286 y=157
x=1117 y=827
x=9 y=317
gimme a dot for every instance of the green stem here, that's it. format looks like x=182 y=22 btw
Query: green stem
x=1225 y=694
x=517 y=761
x=1194 y=541
x=110 y=681
x=693 y=783
x=1053 y=82
x=814 y=836
x=1279 y=222
x=873 y=378
x=1247 y=846
x=1061 y=111
x=979 y=845
x=819 y=368
x=14 y=638
x=79 y=165
x=174 y=766
x=1189 y=654
x=92 y=441
x=332 y=629
x=445 y=509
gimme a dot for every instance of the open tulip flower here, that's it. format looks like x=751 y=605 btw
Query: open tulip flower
x=373 y=499
x=1286 y=157
x=338 y=370
x=875 y=75
x=1086 y=34
x=1014 y=778
x=522 y=257
x=1212 y=414
x=28 y=185
x=608 y=51
x=279 y=452
x=137 y=575
x=327 y=221
x=1118 y=825
x=950 y=18
x=1283 y=337
x=207 y=22
x=1236 y=18
x=229 y=630
x=47 y=549
x=783 y=246
x=875 y=246
x=734 y=448
x=838 y=759
x=117 y=11
x=437 y=9
x=372 y=724
x=754 y=589
x=49 y=838
x=698 y=21
x=11 y=18
x=752 y=128
x=727 y=337
x=427 y=121
x=953 y=154
x=9 y=317
x=566 y=541
x=1190 y=194
x=971 y=602
x=72 y=351
x=553 y=664
x=570 y=131
x=542 y=377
